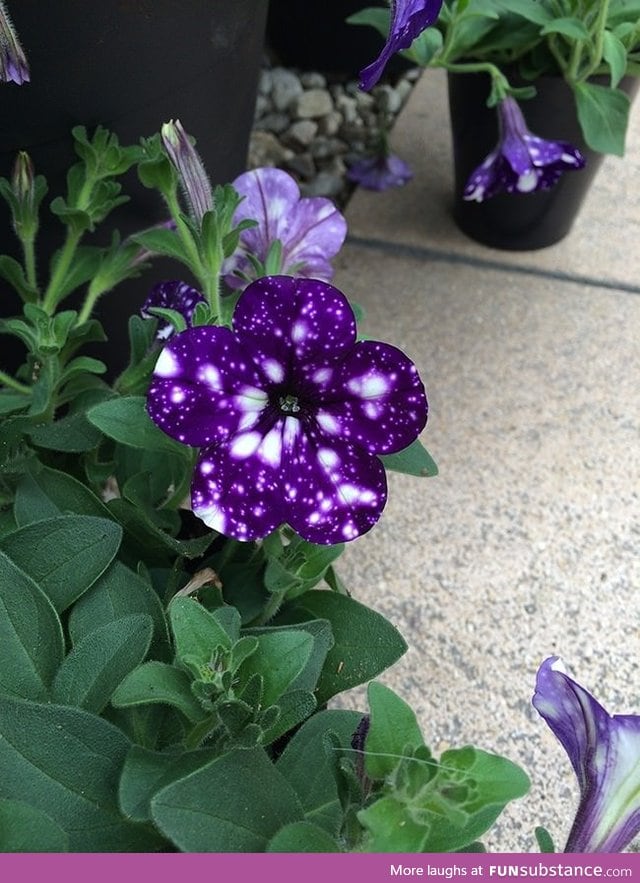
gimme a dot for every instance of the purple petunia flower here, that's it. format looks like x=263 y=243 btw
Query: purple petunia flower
x=380 y=172
x=311 y=230
x=521 y=162
x=289 y=411
x=409 y=18
x=173 y=295
x=13 y=62
x=604 y=751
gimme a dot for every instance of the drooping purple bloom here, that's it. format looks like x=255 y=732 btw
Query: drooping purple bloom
x=13 y=62
x=193 y=177
x=172 y=295
x=409 y=18
x=380 y=172
x=521 y=162
x=604 y=751
x=310 y=229
x=289 y=411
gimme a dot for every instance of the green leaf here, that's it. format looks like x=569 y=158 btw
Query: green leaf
x=307 y=766
x=414 y=460
x=48 y=493
x=73 y=434
x=365 y=643
x=442 y=807
x=23 y=828
x=532 y=10
x=91 y=672
x=294 y=708
x=393 y=727
x=145 y=540
x=66 y=763
x=13 y=401
x=118 y=593
x=125 y=420
x=252 y=803
x=375 y=16
x=603 y=114
x=196 y=632
x=302 y=837
x=425 y=46
x=281 y=656
x=147 y=772
x=158 y=683
x=615 y=54
x=164 y=242
x=64 y=555
x=31 y=642
x=544 y=839
x=12 y=272
x=573 y=28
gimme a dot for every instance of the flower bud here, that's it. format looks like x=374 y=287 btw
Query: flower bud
x=13 y=62
x=194 y=179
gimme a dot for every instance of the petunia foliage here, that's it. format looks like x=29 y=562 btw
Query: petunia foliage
x=173 y=617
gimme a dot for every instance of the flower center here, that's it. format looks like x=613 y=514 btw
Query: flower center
x=289 y=404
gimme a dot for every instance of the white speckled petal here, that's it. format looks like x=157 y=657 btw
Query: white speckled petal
x=204 y=387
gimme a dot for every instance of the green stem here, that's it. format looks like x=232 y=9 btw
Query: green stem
x=51 y=296
x=600 y=27
x=89 y=303
x=28 y=249
x=7 y=380
x=273 y=605
x=500 y=82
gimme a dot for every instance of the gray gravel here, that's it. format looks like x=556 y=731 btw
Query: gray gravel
x=314 y=126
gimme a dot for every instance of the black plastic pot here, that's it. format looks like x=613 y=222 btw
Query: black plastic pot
x=314 y=35
x=518 y=221
x=129 y=65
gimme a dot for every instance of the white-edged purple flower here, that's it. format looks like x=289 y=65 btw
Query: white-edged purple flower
x=521 y=162
x=171 y=295
x=289 y=411
x=409 y=18
x=310 y=229
x=604 y=751
x=13 y=62
x=380 y=172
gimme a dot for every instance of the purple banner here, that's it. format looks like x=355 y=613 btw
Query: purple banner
x=313 y=868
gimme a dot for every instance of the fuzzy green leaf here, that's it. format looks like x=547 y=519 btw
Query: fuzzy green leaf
x=24 y=828
x=31 y=642
x=252 y=802
x=393 y=727
x=65 y=555
x=91 y=672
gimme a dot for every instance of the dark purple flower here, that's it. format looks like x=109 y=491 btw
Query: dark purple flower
x=521 y=162
x=604 y=751
x=380 y=172
x=289 y=411
x=172 y=295
x=13 y=62
x=409 y=18
x=311 y=230
x=193 y=177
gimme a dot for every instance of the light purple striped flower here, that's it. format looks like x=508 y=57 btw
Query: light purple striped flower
x=604 y=751
x=310 y=229
x=409 y=18
x=521 y=162
x=290 y=411
x=193 y=177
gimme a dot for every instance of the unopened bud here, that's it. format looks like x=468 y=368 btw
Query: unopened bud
x=13 y=62
x=194 y=179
